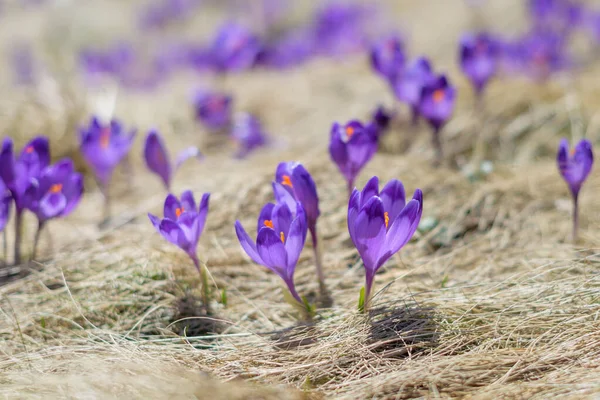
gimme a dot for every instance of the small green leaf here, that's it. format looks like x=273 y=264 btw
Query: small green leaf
x=224 y=297
x=43 y=322
x=444 y=281
x=361 y=299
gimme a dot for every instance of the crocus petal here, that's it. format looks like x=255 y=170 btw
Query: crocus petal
x=172 y=204
x=171 y=231
x=353 y=210
x=265 y=215
x=188 y=223
x=371 y=189
x=7 y=162
x=306 y=192
x=36 y=153
x=295 y=242
x=203 y=212
x=187 y=201
x=156 y=157
x=370 y=232
x=73 y=190
x=272 y=251
x=247 y=243
x=394 y=198
x=283 y=195
x=155 y=221
x=184 y=155
x=51 y=205
x=282 y=219
x=403 y=227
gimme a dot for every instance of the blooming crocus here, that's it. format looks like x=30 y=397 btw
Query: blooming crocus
x=478 y=60
x=234 y=48
x=103 y=147
x=381 y=223
x=213 y=109
x=16 y=174
x=351 y=146
x=294 y=184
x=248 y=134
x=182 y=225
x=409 y=84
x=575 y=166
x=279 y=242
x=387 y=57
x=53 y=194
x=436 y=106
x=157 y=157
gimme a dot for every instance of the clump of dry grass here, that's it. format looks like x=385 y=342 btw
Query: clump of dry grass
x=491 y=301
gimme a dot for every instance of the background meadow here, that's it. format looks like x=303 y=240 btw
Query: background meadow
x=490 y=298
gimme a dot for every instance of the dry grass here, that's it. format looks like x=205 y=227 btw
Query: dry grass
x=493 y=302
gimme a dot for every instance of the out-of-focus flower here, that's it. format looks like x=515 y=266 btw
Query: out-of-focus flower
x=161 y=13
x=478 y=59
x=104 y=146
x=575 y=166
x=17 y=173
x=381 y=223
x=23 y=64
x=157 y=157
x=289 y=50
x=234 y=48
x=340 y=28
x=351 y=146
x=538 y=54
x=213 y=109
x=248 y=134
x=55 y=192
x=437 y=102
x=5 y=202
x=558 y=15
x=387 y=57
x=409 y=84
x=381 y=120
x=279 y=242
x=183 y=223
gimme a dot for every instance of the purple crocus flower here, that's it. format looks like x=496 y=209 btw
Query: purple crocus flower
x=478 y=59
x=409 y=84
x=157 y=158
x=381 y=223
x=575 y=166
x=5 y=202
x=53 y=194
x=213 y=109
x=104 y=146
x=248 y=134
x=351 y=146
x=387 y=57
x=183 y=223
x=280 y=240
x=290 y=50
x=293 y=184
x=541 y=53
x=436 y=106
x=235 y=48
x=16 y=174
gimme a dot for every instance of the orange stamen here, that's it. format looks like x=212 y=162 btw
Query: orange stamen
x=349 y=131
x=438 y=95
x=56 y=188
x=387 y=219
x=105 y=138
x=29 y=149
x=286 y=181
x=179 y=211
x=282 y=237
x=572 y=152
x=269 y=223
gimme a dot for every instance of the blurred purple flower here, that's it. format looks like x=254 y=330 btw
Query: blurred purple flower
x=162 y=12
x=340 y=28
x=575 y=164
x=351 y=146
x=234 y=48
x=23 y=64
x=248 y=134
x=387 y=57
x=478 y=59
x=17 y=172
x=542 y=54
x=289 y=50
x=409 y=84
x=104 y=146
x=183 y=223
x=157 y=157
x=437 y=102
x=279 y=242
x=381 y=120
x=55 y=192
x=5 y=204
x=381 y=223
x=213 y=109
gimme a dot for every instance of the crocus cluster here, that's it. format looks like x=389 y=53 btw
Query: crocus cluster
x=575 y=166
x=30 y=182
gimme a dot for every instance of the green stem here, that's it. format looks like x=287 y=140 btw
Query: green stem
x=18 y=234
x=203 y=271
